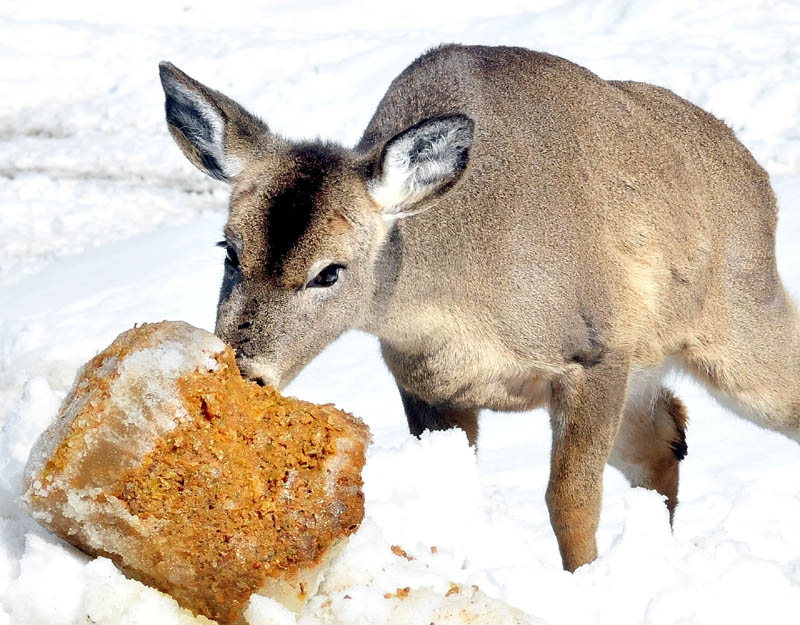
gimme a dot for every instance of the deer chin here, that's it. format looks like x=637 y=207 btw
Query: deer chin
x=260 y=372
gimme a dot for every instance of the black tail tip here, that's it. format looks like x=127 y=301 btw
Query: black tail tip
x=680 y=448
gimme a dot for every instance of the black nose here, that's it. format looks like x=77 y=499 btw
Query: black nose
x=260 y=381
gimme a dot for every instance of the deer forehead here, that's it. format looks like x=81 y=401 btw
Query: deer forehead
x=288 y=217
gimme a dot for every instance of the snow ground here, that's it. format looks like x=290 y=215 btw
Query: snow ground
x=104 y=224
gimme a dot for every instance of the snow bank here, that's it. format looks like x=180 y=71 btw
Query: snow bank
x=435 y=546
x=60 y=587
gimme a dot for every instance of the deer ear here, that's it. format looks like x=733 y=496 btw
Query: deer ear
x=420 y=163
x=216 y=134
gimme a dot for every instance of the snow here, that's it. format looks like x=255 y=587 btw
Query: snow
x=105 y=224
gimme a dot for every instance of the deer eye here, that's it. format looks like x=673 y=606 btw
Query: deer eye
x=326 y=277
x=231 y=257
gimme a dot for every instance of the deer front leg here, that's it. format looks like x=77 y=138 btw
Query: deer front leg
x=423 y=416
x=585 y=410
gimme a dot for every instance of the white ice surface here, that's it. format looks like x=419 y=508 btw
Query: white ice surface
x=105 y=224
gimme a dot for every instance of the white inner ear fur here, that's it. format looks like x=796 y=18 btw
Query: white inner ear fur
x=405 y=181
x=231 y=165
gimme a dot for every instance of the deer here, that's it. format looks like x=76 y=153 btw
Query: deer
x=518 y=233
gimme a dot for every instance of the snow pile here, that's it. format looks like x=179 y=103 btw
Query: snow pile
x=104 y=224
x=60 y=587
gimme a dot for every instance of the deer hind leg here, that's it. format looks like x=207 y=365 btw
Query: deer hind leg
x=651 y=442
x=586 y=408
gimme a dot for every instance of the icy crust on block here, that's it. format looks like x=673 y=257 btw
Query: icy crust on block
x=194 y=480
x=133 y=384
